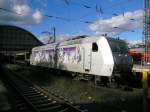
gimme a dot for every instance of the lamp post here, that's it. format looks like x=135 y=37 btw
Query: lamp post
x=50 y=33
x=54 y=34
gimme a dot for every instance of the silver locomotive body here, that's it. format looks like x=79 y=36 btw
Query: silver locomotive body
x=95 y=56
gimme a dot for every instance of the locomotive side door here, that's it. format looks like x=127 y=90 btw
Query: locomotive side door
x=87 y=57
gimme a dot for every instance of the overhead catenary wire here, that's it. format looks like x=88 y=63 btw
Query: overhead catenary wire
x=105 y=10
x=62 y=18
x=57 y=17
x=10 y=11
x=123 y=14
x=67 y=19
x=102 y=11
x=124 y=29
x=98 y=9
x=69 y=2
x=50 y=16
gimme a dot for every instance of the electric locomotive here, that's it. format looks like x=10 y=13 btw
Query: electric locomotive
x=101 y=58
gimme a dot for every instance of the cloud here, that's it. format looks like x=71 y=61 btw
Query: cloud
x=62 y=37
x=118 y=24
x=44 y=38
x=24 y=13
x=23 y=10
x=134 y=43
x=37 y=16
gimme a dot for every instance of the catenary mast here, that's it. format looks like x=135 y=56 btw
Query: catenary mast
x=146 y=28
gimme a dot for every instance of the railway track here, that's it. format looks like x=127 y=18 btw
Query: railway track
x=28 y=97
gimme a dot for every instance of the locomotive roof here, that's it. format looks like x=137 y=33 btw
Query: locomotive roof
x=82 y=40
x=70 y=42
x=79 y=41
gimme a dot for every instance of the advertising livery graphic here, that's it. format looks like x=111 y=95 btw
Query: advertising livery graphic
x=68 y=55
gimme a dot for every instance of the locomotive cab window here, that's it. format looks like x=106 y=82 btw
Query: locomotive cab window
x=94 y=47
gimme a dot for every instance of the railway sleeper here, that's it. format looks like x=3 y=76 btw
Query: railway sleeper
x=41 y=102
x=34 y=95
x=51 y=109
x=37 y=98
x=30 y=93
x=27 y=89
x=43 y=105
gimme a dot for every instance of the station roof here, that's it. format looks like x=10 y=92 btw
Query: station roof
x=15 y=39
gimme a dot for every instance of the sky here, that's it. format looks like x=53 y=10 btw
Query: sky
x=121 y=18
